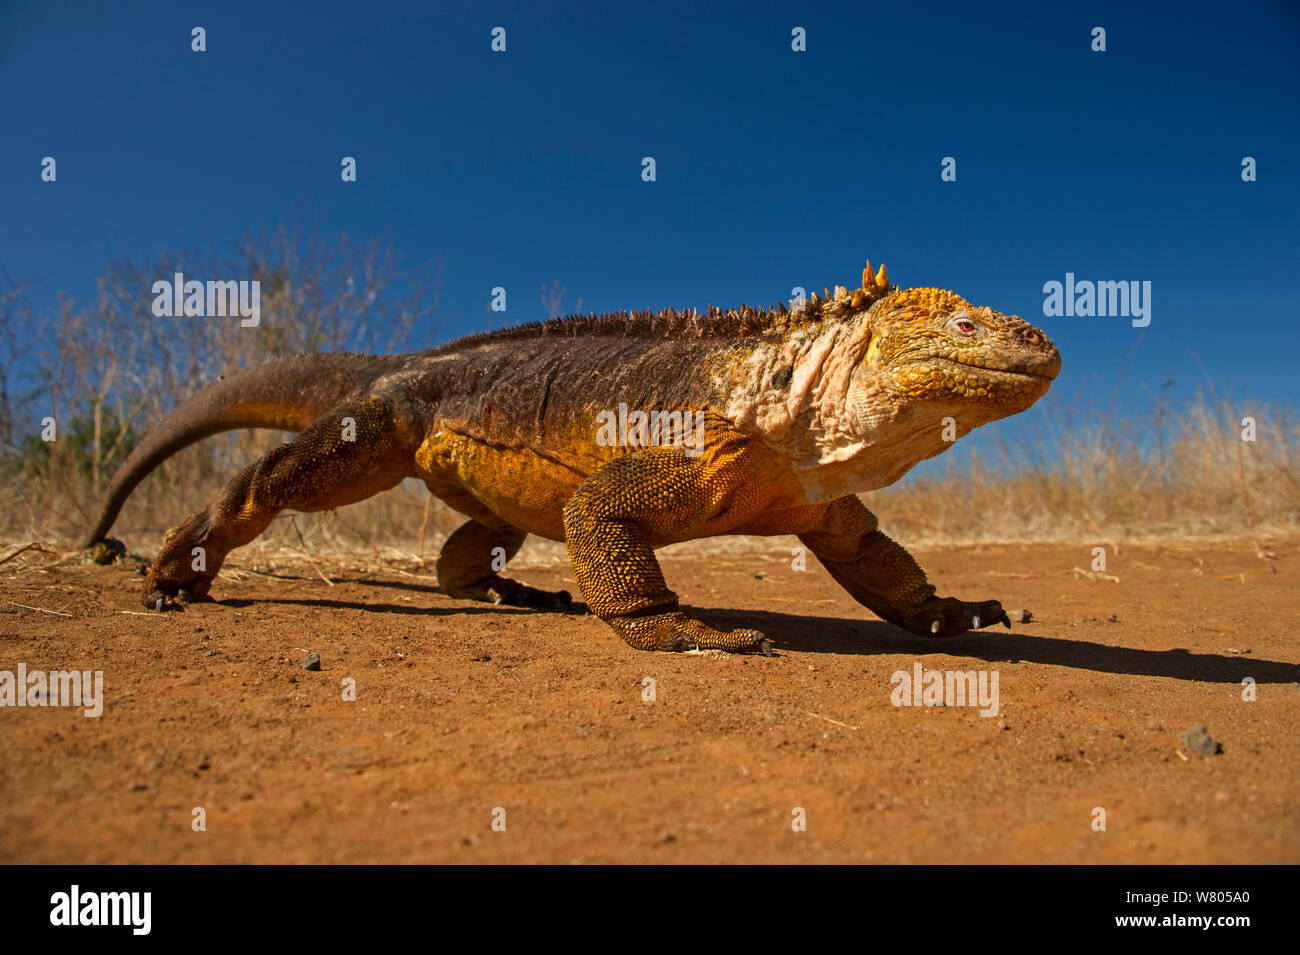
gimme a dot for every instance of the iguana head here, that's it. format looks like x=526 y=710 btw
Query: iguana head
x=866 y=384
x=930 y=345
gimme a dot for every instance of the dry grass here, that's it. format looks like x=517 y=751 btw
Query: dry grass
x=1159 y=473
x=105 y=372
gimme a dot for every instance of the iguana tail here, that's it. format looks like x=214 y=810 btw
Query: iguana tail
x=286 y=394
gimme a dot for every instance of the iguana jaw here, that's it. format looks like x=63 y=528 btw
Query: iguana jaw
x=1002 y=391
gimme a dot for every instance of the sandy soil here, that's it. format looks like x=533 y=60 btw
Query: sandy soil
x=462 y=710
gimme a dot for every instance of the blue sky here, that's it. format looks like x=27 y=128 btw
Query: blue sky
x=775 y=168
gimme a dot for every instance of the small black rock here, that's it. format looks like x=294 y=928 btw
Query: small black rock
x=312 y=662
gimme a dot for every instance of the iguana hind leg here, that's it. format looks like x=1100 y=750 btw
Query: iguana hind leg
x=885 y=578
x=350 y=453
x=470 y=559
x=610 y=525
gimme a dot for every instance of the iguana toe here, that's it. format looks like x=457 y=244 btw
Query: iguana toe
x=947 y=617
x=159 y=601
x=675 y=631
x=160 y=596
x=514 y=594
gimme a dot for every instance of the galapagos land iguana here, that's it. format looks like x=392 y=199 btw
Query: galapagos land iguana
x=797 y=410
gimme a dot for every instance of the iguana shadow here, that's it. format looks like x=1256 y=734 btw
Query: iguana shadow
x=790 y=632
x=797 y=633
x=371 y=606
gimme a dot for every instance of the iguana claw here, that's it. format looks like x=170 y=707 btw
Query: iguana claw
x=947 y=617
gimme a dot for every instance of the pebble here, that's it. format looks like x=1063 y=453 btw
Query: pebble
x=312 y=662
x=1198 y=741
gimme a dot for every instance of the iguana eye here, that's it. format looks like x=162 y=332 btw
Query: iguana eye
x=964 y=325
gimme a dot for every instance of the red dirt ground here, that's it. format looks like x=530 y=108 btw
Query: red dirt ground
x=462 y=708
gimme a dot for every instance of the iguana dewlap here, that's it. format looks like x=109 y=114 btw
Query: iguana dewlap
x=755 y=422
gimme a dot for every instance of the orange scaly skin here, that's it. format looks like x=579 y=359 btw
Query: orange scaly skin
x=794 y=412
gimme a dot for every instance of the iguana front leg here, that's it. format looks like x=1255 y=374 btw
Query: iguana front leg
x=885 y=578
x=610 y=526
x=470 y=559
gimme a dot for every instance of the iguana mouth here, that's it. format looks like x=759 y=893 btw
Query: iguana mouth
x=1017 y=372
